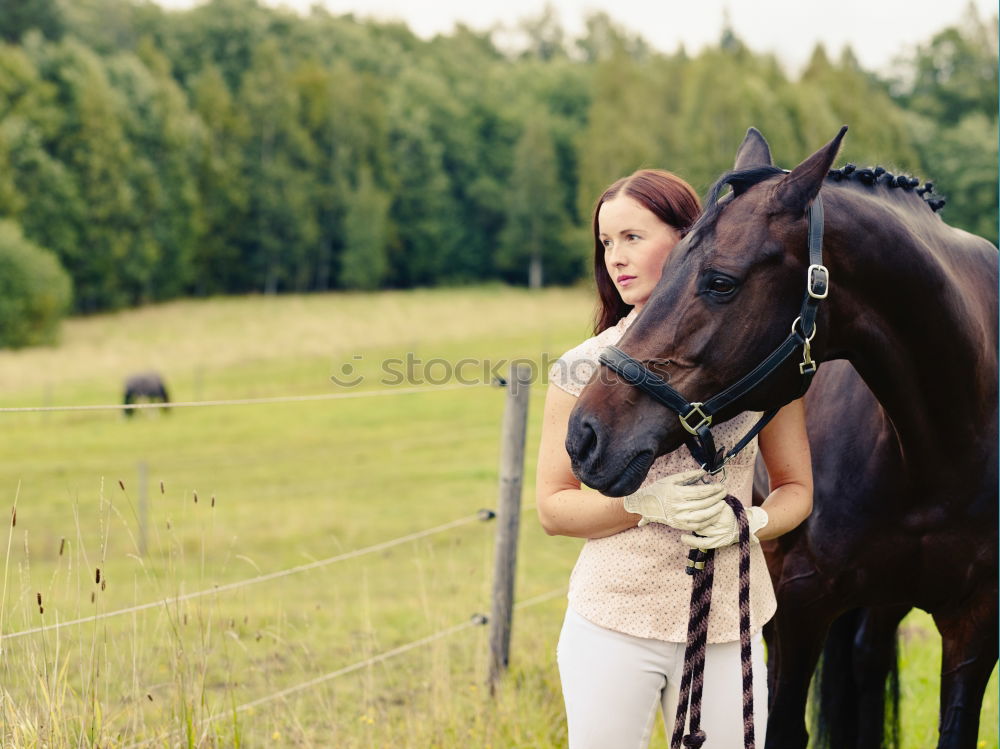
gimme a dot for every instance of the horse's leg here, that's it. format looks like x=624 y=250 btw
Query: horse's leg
x=129 y=400
x=873 y=660
x=968 y=655
x=795 y=641
x=849 y=688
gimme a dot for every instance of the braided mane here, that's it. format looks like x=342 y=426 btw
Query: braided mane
x=743 y=180
x=879 y=176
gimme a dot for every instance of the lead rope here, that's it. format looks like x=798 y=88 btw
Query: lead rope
x=693 y=678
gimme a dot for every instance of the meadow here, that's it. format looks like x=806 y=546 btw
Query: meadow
x=208 y=507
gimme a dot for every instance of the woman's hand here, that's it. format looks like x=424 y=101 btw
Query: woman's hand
x=784 y=446
x=680 y=500
x=726 y=529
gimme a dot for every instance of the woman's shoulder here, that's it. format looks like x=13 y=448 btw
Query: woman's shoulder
x=573 y=370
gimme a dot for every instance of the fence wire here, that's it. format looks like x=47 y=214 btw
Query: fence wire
x=475 y=621
x=240 y=401
x=481 y=515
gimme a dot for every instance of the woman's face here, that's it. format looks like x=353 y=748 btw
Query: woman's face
x=636 y=244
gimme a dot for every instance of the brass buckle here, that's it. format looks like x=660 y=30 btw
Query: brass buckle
x=706 y=420
x=818 y=287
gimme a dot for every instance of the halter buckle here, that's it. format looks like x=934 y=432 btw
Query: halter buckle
x=818 y=281
x=706 y=420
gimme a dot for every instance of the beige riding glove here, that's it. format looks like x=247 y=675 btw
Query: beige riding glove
x=680 y=500
x=726 y=530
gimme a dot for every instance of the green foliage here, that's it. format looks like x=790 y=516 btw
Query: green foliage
x=951 y=86
x=962 y=162
x=235 y=147
x=955 y=73
x=17 y=17
x=532 y=241
x=365 y=260
x=35 y=290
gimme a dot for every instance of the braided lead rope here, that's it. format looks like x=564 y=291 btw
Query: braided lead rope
x=693 y=678
x=745 y=662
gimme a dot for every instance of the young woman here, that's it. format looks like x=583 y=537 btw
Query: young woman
x=621 y=650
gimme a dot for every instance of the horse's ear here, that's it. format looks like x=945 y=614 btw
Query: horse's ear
x=753 y=151
x=796 y=191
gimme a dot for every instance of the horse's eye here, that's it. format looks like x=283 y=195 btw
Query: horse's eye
x=721 y=286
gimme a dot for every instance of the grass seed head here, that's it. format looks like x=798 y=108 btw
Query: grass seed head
x=121 y=484
x=97 y=575
x=62 y=545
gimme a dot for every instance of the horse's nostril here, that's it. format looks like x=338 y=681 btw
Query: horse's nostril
x=581 y=439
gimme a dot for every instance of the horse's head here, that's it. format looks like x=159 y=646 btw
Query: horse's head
x=727 y=297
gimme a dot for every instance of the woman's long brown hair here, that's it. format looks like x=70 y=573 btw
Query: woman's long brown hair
x=670 y=199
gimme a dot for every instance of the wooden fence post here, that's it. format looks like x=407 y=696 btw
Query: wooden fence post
x=515 y=421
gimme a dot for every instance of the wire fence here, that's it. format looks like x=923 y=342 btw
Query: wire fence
x=241 y=401
x=477 y=620
x=480 y=516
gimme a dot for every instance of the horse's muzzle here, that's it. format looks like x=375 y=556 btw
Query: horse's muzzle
x=601 y=465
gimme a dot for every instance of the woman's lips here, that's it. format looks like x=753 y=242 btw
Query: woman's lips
x=625 y=280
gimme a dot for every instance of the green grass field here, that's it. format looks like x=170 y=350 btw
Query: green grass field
x=232 y=493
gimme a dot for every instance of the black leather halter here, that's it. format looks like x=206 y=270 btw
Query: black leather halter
x=697 y=417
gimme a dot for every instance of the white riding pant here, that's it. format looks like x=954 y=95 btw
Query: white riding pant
x=614 y=683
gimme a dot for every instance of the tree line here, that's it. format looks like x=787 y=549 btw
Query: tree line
x=148 y=154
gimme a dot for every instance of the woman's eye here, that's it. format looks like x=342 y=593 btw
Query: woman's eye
x=721 y=286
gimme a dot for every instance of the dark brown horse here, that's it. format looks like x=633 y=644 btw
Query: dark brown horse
x=148 y=386
x=904 y=442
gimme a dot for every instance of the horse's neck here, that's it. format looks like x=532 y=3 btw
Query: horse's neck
x=913 y=306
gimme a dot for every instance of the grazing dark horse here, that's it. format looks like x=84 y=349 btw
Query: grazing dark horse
x=146 y=386
x=904 y=442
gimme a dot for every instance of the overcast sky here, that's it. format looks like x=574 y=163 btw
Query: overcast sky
x=877 y=30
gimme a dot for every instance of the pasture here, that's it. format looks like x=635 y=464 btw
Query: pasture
x=234 y=493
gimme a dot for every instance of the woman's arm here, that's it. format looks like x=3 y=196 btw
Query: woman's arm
x=784 y=446
x=565 y=509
